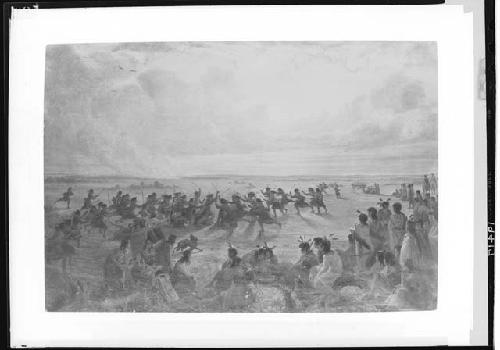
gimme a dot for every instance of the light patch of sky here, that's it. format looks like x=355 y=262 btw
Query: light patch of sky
x=224 y=107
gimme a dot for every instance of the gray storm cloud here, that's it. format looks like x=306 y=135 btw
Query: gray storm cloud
x=171 y=109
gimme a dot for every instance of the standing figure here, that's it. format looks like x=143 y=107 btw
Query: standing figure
x=312 y=199
x=336 y=188
x=204 y=215
x=66 y=197
x=426 y=186
x=125 y=262
x=91 y=195
x=359 y=239
x=434 y=185
x=404 y=193
x=376 y=238
x=128 y=211
x=283 y=198
x=76 y=220
x=411 y=196
x=98 y=219
x=397 y=228
x=384 y=216
x=422 y=224
x=318 y=197
x=418 y=196
x=274 y=203
x=165 y=205
x=300 y=201
x=228 y=214
x=117 y=199
x=433 y=205
x=263 y=216
x=411 y=256
x=266 y=193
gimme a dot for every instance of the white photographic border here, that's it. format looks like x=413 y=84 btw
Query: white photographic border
x=32 y=30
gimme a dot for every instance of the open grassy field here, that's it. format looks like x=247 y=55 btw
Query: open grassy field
x=87 y=264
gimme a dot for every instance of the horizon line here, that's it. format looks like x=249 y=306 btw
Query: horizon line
x=226 y=175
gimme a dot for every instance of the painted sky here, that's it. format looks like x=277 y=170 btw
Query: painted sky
x=258 y=108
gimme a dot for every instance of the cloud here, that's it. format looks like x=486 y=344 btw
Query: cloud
x=398 y=112
x=144 y=108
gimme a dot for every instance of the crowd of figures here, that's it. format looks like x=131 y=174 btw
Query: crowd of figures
x=429 y=192
x=386 y=249
x=177 y=210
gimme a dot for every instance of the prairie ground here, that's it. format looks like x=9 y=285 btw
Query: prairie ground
x=87 y=264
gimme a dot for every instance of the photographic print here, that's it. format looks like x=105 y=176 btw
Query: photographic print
x=251 y=177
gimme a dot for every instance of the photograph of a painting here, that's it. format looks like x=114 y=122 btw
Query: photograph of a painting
x=241 y=177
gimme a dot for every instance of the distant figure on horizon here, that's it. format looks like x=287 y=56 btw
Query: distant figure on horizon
x=66 y=197
x=433 y=184
x=411 y=196
x=426 y=185
x=404 y=193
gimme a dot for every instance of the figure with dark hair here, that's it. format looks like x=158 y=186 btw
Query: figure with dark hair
x=283 y=199
x=182 y=279
x=362 y=231
x=300 y=201
x=274 y=203
x=404 y=193
x=123 y=205
x=230 y=270
x=164 y=246
x=433 y=185
x=116 y=200
x=384 y=216
x=88 y=201
x=336 y=188
x=377 y=239
x=233 y=258
x=306 y=261
x=433 y=205
x=263 y=216
x=421 y=216
x=266 y=193
x=411 y=196
x=66 y=197
x=125 y=262
x=204 y=215
x=358 y=239
x=318 y=200
x=76 y=220
x=228 y=213
x=189 y=211
x=312 y=199
x=418 y=196
x=426 y=186
x=397 y=228
x=190 y=243
x=165 y=205
x=324 y=275
x=316 y=243
x=237 y=202
x=129 y=206
x=178 y=213
x=411 y=256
